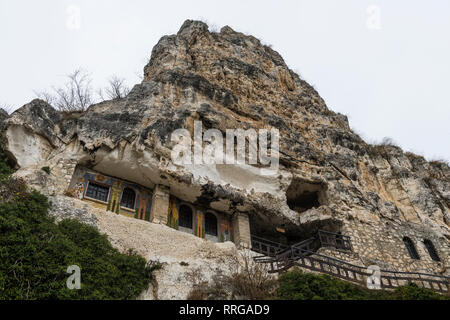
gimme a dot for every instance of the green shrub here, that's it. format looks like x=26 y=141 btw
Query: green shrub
x=5 y=169
x=413 y=292
x=46 y=169
x=297 y=285
x=13 y=189
x=35 y=253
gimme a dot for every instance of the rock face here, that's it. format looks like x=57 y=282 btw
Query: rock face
x=181 y=256
x=328 y=177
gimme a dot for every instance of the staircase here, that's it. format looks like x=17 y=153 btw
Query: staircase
x=281 y=257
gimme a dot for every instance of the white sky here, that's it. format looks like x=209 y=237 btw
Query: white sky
x=390 y=75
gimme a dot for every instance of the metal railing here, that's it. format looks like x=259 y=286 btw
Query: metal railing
x=267 y=247
x=359 y=274
x=336 y=240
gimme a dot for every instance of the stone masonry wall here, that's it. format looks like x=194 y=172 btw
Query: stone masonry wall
x=382 y=244
x=241 y=230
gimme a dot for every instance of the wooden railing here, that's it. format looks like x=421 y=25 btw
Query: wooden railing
x=267 y=247
x=336 y=240
x=282 y=256
x=388 y=278
x=302 y=255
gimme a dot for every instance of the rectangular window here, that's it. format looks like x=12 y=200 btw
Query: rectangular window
x=97 y=191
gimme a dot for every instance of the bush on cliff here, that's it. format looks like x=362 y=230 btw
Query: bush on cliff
x=35 y=253
x=5 y=169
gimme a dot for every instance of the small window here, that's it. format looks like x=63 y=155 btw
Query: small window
x=128 y=198
x=431 y=250
x=210 y=224
x=185 y=217
x=339 y=241
x=411 y=248
x=97 y=191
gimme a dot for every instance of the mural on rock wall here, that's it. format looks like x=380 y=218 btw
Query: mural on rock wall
x=107 y=193
x=116 y=190
x=225 y=229
x=143 y=211
x=199 y=230
x=132 y=200
x=172 y=218
x=198 y=221
x=77 y=191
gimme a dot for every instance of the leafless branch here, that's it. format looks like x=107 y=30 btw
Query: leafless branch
x=116 y=89
x=75 y=95
x=6 y=107
x=46 y=96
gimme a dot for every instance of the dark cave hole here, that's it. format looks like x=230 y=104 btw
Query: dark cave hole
x=302 y=195
x=304 y=201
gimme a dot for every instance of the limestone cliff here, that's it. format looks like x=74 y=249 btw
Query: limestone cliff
x=328 y=178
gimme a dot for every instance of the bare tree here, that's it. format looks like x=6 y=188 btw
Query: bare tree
x=139 y=75
x=75 y=95
x=116 y=89
x=77 y=92
x=244 y=279
x=6 y=107
x=46 y=96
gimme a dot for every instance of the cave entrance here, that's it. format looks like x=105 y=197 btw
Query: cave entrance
x=270 y=235
x=302 y=195
x=278 y=231
x=260 y=228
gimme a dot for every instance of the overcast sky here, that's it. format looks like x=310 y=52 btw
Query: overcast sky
x=385 y=64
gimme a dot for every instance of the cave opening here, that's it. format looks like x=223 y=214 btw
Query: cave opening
x=302 y=195
x=268 y=231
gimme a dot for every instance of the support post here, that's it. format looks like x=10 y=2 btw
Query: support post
x=160 y=204
x=241 y=230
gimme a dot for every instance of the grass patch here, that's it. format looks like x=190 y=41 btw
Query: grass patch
x=441 y=164
x=382 y=149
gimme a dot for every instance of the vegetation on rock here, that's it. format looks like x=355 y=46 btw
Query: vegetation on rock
x=298 y=285
x=247 y=280
x=250 y=281
x=35 y=252
x=46 y=169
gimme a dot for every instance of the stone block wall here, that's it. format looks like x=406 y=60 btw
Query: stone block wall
x=160 y=205
x=241 y=230
x=382 y=244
